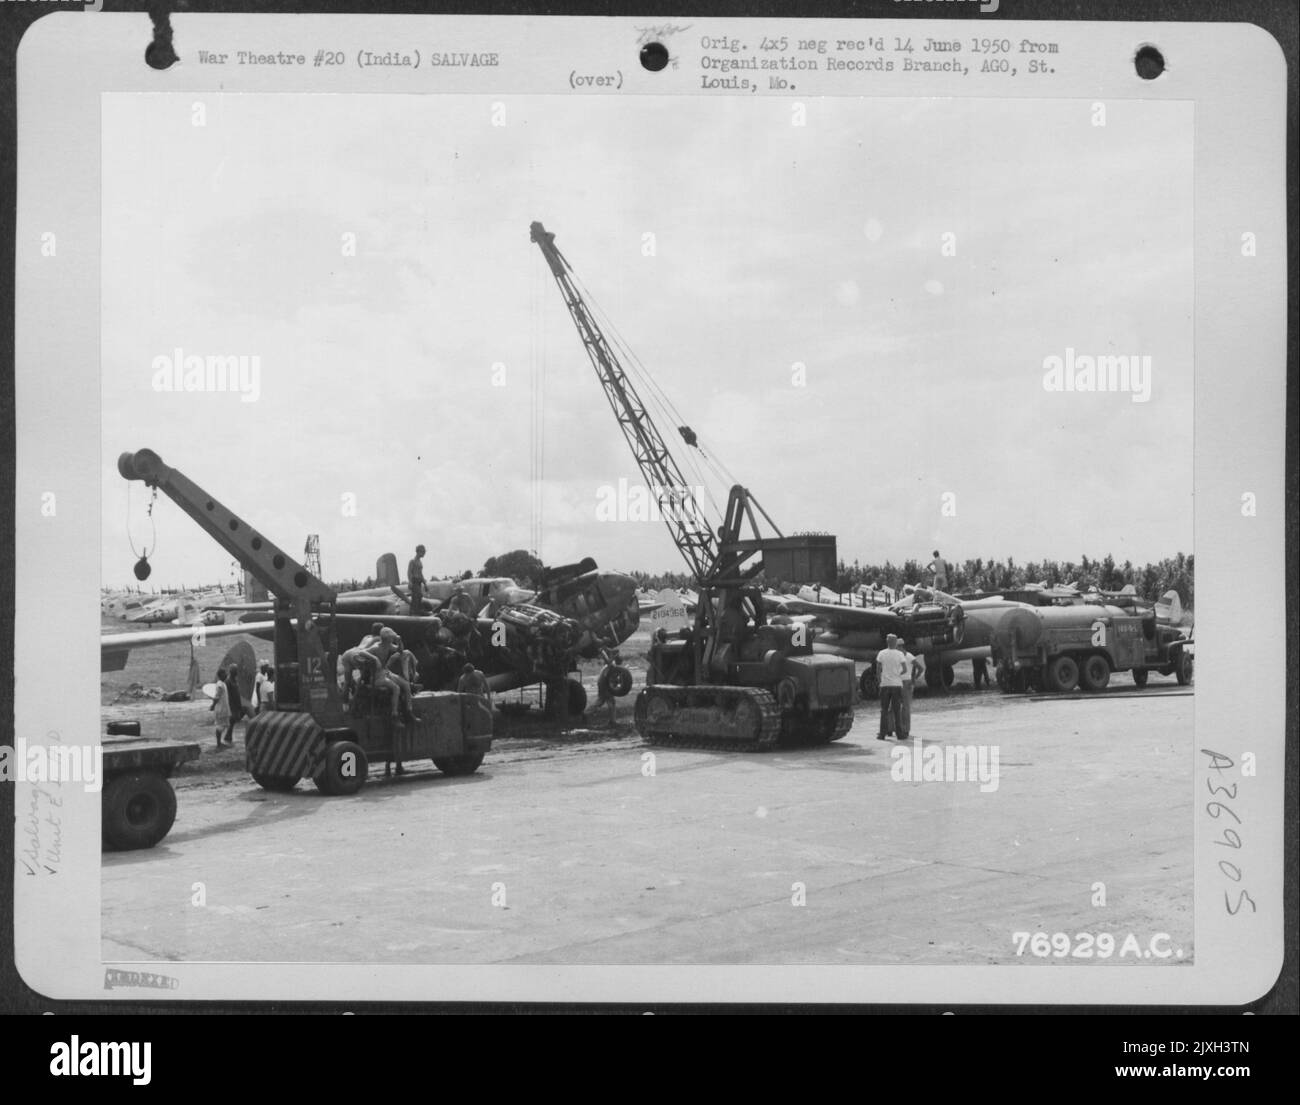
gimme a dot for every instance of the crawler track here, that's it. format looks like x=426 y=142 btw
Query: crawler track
x=730 y=719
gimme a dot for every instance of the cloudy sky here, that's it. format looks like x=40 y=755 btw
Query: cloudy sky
x=773 y=246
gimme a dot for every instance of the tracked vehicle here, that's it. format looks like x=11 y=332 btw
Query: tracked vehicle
x=731 y=680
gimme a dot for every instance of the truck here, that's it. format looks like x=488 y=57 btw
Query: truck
x=732 y=680
x=311 y=732
x=1056 y=648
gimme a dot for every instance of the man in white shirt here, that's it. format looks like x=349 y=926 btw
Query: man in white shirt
x=890 y=664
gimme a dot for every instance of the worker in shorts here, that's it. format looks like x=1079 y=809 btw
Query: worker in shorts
x=389 y=644
x=359 y=665
x=415 y=581
x=940 y=569
x=473 y=681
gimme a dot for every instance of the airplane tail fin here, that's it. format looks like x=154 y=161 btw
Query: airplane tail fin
x=1169 y=608
x=1128 y=589
x=386 y=571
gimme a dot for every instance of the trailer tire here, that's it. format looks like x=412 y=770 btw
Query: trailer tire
x=1062 y=674
x=1140 y=677
x=1094 y=673
x=1183 y=670
x=137 y=810
x=334 y=778
x=464 y=764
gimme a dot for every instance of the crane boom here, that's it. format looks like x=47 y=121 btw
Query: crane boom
x=301 y=600
x=731 y=679
x=275 y=569
x=676 y=499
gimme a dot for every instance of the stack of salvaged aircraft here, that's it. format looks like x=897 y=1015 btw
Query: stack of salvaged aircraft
x=517 y=637
x=182 y=608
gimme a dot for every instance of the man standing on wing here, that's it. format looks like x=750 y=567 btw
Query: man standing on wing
x=415 y=581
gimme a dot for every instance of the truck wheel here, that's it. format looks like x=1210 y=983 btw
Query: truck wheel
x=344 y=771
x=465 y=764
x=1062 y=674
x=137 y=810
x=1095 y=673
x=869 y=684
x=279 y=783
x=1183 y=672
x=1140 y=677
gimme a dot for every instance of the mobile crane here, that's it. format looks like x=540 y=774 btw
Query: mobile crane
x=310 y=732
x=732 y=680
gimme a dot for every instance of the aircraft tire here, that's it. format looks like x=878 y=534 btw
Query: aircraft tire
x=576 y=697
x=869 y=683
x=137 y=810
x=620 y=681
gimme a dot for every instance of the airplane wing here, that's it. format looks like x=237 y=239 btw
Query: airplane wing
x=114 y=648
x=834 y=616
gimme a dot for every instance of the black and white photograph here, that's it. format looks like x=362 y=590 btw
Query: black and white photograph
x=743 y=522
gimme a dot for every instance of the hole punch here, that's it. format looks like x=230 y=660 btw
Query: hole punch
x=654 y=56
x=160 y=54
x=1149 y=63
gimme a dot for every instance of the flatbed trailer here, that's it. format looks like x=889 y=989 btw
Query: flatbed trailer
x=138 y=802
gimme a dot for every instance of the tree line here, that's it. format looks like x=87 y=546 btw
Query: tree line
x=1149 y=580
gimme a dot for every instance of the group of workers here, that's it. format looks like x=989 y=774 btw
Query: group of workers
x=228 y=704
x=384 y=663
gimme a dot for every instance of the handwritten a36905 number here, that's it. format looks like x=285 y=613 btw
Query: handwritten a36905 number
x=1229 y=836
